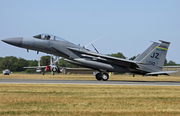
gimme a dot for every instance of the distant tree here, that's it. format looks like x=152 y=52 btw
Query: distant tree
x=30 y=64
x=171 y=63
x=118 y=55
x=16 y=64
x=1 y=58
x=165 y=62
x=33 y=63
x=132 y=58
x=45 y=60
x=20 y=64
x=9 y=62
x=63 y=63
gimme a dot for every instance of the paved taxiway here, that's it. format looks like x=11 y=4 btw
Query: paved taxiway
x=89 y=82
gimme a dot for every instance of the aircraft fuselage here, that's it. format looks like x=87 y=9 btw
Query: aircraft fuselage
x=60 y=47
x=150 y=62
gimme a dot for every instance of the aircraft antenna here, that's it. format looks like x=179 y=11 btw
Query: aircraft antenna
x=94 y=41
x=95 y=48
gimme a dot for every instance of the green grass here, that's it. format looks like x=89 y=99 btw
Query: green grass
x=56 y=99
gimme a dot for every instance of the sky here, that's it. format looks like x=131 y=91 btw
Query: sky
x=129 y=25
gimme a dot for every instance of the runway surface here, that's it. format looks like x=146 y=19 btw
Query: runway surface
x=89 y=82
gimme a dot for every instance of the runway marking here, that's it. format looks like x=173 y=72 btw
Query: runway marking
x=89 y=82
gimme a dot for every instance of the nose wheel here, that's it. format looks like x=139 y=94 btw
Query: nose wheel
x=102 y=76
x=54 y=69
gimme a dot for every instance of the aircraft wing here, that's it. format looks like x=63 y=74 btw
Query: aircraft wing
x=160 y=73
x=105 y=58
x=36 y=67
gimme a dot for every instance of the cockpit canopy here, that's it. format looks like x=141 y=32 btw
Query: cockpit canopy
x=48 y=37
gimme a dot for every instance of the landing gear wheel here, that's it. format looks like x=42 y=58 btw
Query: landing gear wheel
x=98 y=76
x=102 y=76
x=105 y=76
x=54 y=69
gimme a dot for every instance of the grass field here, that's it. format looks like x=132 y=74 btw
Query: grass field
x=89 y=100
x=41 y=99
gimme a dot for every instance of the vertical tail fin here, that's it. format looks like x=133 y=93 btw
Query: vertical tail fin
x=149 y=49
x=156 y=56
x=38 y=62
x=51 y=60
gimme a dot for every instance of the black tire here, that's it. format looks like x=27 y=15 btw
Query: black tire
x=54 y=69
x=98 y=76
x=105 y=77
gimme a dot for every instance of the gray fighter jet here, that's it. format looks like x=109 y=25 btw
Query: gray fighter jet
x=149 y=63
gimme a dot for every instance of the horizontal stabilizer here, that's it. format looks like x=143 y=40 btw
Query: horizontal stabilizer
x=160 y=73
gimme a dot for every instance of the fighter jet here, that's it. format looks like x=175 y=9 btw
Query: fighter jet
x=50 y=68
x=149 y=63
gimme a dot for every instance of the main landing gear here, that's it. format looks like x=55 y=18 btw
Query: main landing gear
x=102 y=76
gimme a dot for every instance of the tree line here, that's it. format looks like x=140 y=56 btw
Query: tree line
x=16 y=64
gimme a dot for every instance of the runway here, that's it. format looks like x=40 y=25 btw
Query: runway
x=89 y=82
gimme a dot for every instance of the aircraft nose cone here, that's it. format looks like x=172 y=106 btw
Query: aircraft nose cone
x=14 y=41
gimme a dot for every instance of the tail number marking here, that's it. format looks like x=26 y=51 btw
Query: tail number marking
x=155 y=55
x=150 y=63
